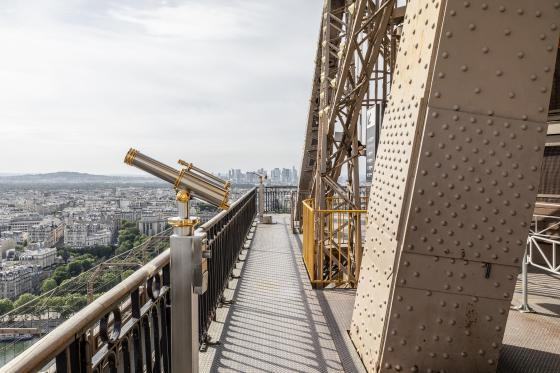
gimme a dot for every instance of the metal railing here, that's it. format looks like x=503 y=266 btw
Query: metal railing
x=542 y=251
x=278 y=199
x=330 y=254
x=226 y=233
x=128 y=328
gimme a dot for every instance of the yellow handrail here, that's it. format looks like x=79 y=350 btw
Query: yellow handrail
x=330 y=253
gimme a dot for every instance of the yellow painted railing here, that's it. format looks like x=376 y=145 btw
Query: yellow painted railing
x=332 y=242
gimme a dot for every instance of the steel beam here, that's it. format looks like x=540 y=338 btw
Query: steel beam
x=454 y=184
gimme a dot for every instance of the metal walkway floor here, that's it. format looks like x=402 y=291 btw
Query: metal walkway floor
x=278 y=323
x=275 y=323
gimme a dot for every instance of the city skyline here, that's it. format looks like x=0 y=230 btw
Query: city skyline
x=136 y=173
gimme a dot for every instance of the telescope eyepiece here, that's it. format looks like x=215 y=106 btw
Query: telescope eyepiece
x=129 y=157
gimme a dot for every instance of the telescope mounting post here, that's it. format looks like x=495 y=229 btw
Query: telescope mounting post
x=184 y=301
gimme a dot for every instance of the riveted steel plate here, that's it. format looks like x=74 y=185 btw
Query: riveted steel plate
x=471 y=278
x=445 y=332
x=393 y=164
x=502 y=52
x=475 y=187
x=454 y=184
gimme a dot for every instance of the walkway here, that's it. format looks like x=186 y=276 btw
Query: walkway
x=276 y=323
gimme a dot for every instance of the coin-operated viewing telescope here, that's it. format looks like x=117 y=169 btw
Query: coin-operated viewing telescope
x=196 y=182
x=189 y=253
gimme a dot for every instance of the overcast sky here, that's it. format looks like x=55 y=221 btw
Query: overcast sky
x=224 y=84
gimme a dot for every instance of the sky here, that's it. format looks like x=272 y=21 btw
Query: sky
x=220 y=83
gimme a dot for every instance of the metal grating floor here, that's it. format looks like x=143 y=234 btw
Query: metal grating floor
x=278 y=323
x=531 y=341
x=275 y=323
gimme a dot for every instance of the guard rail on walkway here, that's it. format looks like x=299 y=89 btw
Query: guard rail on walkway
x=131 y=322
x=278 y=199
x=542 y=251
x=332 y=242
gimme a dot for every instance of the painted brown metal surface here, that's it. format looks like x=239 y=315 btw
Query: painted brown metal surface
x=454 y=183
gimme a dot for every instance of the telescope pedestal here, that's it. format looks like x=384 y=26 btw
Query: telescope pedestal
x=184 y=300
x=184 y=306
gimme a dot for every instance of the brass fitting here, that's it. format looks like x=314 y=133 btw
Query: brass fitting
x=187 y=165
x=183 y=196
x=176 y=222
x=179 y=177
x=225 y=205
x=129 y=157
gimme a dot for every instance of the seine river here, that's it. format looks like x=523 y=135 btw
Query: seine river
x=8 y=350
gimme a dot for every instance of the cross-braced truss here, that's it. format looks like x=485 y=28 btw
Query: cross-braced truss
x=355 y=53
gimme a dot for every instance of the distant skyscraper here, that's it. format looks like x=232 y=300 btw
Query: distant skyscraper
x=286 y=176
x=295 y=180
x=276 y=175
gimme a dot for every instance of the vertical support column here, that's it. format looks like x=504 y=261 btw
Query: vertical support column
x=261 y=199
x=184 y=301
x=455 y=183
x=184 y=306
x=525 y=308
x=358 y=206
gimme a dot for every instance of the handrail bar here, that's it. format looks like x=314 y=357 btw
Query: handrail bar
x=44 y=350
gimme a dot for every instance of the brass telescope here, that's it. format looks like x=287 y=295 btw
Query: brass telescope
x=196 y=182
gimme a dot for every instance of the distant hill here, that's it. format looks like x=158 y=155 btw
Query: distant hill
x=73 y=178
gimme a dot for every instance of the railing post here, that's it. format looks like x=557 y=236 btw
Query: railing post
x=524 y=307
x=184 y=302
x=261 y=200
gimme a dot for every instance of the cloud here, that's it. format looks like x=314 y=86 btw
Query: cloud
x=221 y=83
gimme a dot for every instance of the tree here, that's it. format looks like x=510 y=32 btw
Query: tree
x=99 y=251
x=60 y=274
x=54 y=303
x=107 y=281
x=23 y=299
x=6 y=306
x=73 y=303
x=127 y=273
x=129 y=236
x=65 y=254
x=48 y=285
x=75 y=268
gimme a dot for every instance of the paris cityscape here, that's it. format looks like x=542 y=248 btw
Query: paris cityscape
x=247 y=186
x=41 y=224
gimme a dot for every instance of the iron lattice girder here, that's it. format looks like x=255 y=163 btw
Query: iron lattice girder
x=368 y=29
x=361 y=21
x=454 y=184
